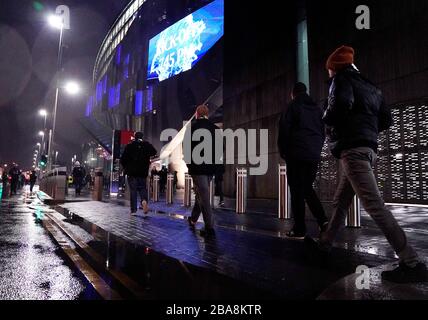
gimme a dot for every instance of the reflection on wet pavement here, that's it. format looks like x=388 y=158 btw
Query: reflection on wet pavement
x=30 y=265
x=254 y=261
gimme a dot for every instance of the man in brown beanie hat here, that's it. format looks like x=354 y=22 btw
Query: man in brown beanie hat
x=355 y=115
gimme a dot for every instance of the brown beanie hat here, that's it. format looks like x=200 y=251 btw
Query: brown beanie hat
x=340 y=58
x=202 y=111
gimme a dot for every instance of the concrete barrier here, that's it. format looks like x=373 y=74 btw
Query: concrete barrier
x=54 y=184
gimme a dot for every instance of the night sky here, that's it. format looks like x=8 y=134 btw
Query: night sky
x=28 y=59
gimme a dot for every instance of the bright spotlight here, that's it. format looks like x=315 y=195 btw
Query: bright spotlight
x=56 y=21
x=72 y=88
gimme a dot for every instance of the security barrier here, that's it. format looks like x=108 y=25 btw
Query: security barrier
x=155 y=189
x=241 y=190
x=170 y=189
x=353 y=219
x=284 y=211
x=97 y=194
x=54 y=183
x=187 y=201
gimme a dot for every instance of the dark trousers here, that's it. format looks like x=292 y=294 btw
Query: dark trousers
x=13 y=186
x=32 y=186
x=301 y=176
x=137 y=186
x=219 y=189
x=78 y=182
x=201 y=185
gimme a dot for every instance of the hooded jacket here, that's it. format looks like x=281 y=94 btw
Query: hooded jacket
x=301 y=130
x=136 y=158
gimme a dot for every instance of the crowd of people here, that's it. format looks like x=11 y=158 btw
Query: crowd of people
x=17 y=179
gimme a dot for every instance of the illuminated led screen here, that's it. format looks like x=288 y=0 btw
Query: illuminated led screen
x=178 y=48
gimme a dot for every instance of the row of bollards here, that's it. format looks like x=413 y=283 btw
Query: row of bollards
x=353 y=219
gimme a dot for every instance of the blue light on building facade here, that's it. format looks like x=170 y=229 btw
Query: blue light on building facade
x=139 y=98
x=111 y=97
x=89 y=106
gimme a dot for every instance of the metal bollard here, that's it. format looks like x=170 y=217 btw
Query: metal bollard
x=212 y=192
x=155 y=195
x=97 y=194
x=187 y=201
x=353 y=219
x=284 y=211
x=170 y=189
x=241 y=190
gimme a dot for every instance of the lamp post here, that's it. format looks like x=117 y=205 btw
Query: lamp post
x=42 y=145
x=44 y=114
x=58 y=23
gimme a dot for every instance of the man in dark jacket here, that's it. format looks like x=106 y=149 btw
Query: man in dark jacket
x=300 y=140
x=202 y=172
x=79 y=174
x=136 y=162
x=356 y=113
x=14 y=174
x=33 y=179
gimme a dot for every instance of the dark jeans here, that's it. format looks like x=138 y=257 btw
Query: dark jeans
x=201 y=185
x=356 y=177
x=137 y=186
x=219 y=189
x=78 y=185
x=301 y=176
x=32 y=186
x=13 y=187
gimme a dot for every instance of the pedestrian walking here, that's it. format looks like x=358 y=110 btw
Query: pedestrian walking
x=202 y=173
x=136 y=163
x=14 y=174
x=33 y=179
x=79 y=174
x=355 y=115
x=300 y=141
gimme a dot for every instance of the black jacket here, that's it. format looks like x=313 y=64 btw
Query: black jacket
x=209 y=167
x=136 y=158
x=301 y=130
x=78 y=173
x=33 y=177
x=356 y=112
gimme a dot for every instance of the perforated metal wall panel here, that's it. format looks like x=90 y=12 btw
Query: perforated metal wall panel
x=402 y=166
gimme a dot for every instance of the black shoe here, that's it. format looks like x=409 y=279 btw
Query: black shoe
x=295 y=235
x=406 y=274
x=192 y=224
x=207 y=233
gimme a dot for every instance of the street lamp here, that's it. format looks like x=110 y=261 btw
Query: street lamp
x=72 y=88
x=56 y=22
x=41 y=133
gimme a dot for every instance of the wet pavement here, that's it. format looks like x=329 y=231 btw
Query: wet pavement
x=95 y=250
x=258 y=260
x=31 y=265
